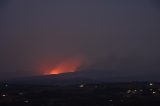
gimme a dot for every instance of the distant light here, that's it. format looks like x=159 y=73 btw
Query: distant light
x=129 y=91
x=26 y=101
x=20 y=93
x=141 y=90
x=110 y=100
x=153 y=92
x=4 y=95
x=134 y=91
x=81 y=86
x=6 y=85
x=151 y=84
x=150 y=89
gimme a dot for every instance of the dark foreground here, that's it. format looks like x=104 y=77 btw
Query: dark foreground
x=113 y=94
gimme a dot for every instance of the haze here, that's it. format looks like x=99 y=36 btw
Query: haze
x=116 y=35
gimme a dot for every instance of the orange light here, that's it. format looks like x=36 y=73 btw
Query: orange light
x=69 y=65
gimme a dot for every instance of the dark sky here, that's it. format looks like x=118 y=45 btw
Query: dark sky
x=118 y=35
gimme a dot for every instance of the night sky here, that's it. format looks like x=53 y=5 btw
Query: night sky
x=118 y=35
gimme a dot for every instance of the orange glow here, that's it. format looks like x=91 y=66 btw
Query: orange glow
x=69 y=65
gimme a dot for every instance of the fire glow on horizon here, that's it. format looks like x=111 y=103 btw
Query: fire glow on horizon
x=69 y=65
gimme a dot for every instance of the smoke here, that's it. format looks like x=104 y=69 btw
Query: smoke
x=110 y=35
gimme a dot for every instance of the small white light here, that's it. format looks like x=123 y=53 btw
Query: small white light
x=81 y=86
x=26 y=101
x=153 y=92
x=20 y=93
x=150 y=89
x=110 y=100
x=134 y=91
x=3 y=95
x=129 y=91
x=150 y=84
x=141 y=90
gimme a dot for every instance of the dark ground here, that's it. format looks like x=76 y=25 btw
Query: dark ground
x=110 y=94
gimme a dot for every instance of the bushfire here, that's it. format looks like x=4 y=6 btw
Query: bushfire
x=69 y=65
